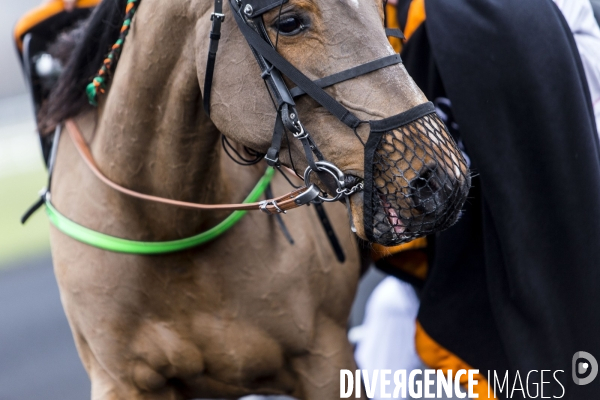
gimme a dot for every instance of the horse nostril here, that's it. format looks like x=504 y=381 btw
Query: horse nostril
x=430 y=190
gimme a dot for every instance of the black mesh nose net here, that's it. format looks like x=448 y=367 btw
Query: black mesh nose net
x=416 y=179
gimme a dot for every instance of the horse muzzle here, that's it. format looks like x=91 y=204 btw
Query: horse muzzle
x=416 y=179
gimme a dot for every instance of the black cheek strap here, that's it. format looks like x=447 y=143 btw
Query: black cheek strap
x=287 y=69
x=217 y=18
x=272 y=156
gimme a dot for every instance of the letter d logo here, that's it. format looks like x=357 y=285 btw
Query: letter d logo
x=583 y=367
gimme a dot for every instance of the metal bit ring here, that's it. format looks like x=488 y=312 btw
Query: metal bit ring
x=338 y=175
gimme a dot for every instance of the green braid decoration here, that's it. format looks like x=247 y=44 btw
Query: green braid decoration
x=100 y=81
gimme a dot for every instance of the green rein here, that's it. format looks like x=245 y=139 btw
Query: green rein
x=115 y=244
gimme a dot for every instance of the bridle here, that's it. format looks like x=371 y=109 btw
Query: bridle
x=432 y=195
x=248 y=15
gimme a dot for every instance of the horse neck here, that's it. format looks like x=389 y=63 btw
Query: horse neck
x=152 y=135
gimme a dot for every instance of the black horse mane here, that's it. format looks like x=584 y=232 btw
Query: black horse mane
x=82 y=51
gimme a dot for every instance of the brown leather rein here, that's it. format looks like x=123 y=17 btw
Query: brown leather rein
x=289 y=201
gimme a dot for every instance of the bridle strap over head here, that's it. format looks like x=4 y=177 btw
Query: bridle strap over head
x=254 y=31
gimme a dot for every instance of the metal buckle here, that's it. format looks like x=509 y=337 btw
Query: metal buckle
x=219 y=16
x=271 y=162
x=267 y=73
x=302 y=134
x=311 y=194
x=45 y=194
x=265 y=203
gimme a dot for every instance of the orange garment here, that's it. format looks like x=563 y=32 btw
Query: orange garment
x=437 y=357
x=416 y=16
x=408 y=257
x=392 y=22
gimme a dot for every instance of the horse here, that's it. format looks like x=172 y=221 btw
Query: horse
x=248 y=313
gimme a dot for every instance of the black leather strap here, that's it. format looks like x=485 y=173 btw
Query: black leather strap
x=397 y=33
x=217 y=18
x=271 y=75
x=272 y=156
x=314 y=91
x=308 y=146
x=279 y=219
x=351 y=73
x=396 y=121
x=51 y=163
x=333 y=240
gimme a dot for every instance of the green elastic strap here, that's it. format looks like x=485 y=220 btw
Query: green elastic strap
x=111 y=243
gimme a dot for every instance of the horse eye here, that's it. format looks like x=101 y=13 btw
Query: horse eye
x=290 y=25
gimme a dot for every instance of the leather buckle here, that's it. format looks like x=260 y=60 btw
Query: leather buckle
x=265 y=203
x=312 y=193
x=301 y=134
x=219 y=16
x=272 y=162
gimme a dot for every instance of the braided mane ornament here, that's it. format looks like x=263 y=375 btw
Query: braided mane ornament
x=100 y=81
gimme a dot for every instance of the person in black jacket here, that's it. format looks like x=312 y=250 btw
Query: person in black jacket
x=515 y=285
